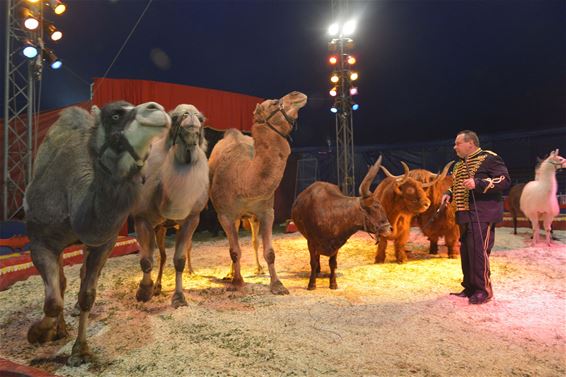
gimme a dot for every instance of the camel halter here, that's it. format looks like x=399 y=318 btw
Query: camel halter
x=177 y=126
x=292 y=122
x=118 y=143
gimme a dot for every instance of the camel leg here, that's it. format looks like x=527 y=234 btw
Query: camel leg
x=230 y=274
x=52 y=326
x=231 y=231
x=315 y=261
x=87 y=294
x=400 y=242
x=146 y=238
x=381 y=247
x=254 y=225
x=183 y=245
x=333 y=263
x=265 y=227
x=160 y=233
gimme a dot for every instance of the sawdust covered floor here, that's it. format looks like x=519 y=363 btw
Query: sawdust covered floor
x=384 y=320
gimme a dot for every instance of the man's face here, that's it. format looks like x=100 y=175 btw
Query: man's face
x=462 y=147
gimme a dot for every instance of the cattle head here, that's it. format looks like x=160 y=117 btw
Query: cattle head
x=410 y=191
x=187 y=133
x=280 y=115
x=435 y=185
x=375 y=218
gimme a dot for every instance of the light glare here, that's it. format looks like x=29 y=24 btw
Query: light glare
x=30 y=52
x=333 y=29
x=354 y=76
x=31 y=23
x=349 y=28
x=334 y=78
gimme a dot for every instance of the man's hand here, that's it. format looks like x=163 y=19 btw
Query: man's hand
x=445 y=199
x=469 y=183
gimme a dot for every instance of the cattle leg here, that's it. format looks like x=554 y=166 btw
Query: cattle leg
x=52 y=326
x=254 y=225
x=332 y=262
x=400 y=242
x=87 y=294
x=160 y=233
x=146 y=239
x=265 y=227
x=315 y=266
x=381 y=247
x=231 y=231
x=183 y=245
x=433 y=249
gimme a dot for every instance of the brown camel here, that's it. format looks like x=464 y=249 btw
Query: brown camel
x=245 y=174
x=176 y=189
x=87 y=178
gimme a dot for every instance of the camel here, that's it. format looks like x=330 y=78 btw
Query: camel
x=245 y=172
x=176 y=189
x=86 y=179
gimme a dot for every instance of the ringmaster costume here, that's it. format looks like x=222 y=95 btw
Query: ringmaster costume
x=479 y=178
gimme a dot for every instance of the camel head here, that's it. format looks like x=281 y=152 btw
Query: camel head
x=187 y=133
x=280 y=115
x=125 y=133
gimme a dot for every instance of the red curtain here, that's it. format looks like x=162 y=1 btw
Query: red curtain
x=223 y=110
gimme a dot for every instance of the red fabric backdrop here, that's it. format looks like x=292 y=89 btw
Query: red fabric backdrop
x=223 y=110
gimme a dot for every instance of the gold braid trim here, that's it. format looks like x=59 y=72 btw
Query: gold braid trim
x=461 y=195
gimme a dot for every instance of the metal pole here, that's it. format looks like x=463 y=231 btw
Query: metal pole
x=6 y=112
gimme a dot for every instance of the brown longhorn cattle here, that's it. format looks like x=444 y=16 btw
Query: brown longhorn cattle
x=327 y=219
x=438 y=221
x=402 y=197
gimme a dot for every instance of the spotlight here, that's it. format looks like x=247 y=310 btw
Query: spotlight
x=332 y=60
x=58 y=6
x=334 y=109
x=52 y=59
x=353 y=91
x=355 y=106
x=30 y=20
x=30 y=50
x=334 y=78
x=333 y=92
x=349 y=28
x=52 y=31
x=333 y=29
x=351 y=60
x=353 y=76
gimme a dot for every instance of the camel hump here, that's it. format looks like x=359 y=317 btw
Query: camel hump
x=74 y=118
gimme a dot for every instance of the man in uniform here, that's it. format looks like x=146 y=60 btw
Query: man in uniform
x=479 y=178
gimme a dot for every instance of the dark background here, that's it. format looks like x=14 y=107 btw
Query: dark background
x=427 y=68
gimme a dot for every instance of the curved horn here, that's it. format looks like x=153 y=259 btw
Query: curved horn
x=400 y=178
x=368 y=179
x=440 y=176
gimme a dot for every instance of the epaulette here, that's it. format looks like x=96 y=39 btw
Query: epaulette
x=490 y=152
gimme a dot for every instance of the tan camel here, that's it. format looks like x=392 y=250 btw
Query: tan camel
x=245 y=172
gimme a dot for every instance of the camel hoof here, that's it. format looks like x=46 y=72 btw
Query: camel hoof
x=228 y=277
x=157 y=289
x=47 y=330
x=145 y=292
x=259 y=271
x=79 y=355
x=277 y=288
x=178 y=300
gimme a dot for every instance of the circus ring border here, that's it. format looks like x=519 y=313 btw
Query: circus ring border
x=18 y=266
